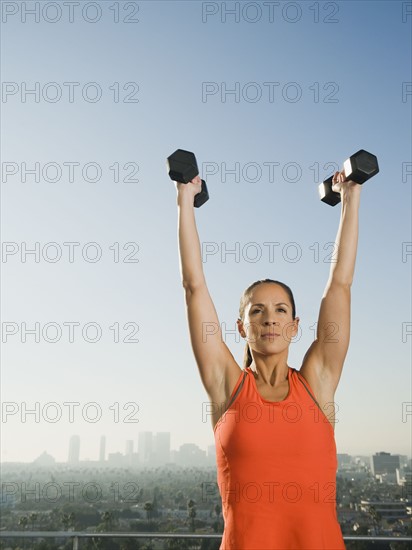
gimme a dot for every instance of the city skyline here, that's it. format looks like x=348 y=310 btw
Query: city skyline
x=146 y=455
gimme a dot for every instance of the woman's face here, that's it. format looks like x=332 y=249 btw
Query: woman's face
x=268 y=325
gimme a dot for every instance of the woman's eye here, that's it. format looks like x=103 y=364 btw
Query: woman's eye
x=256 y=310
x=281 y=309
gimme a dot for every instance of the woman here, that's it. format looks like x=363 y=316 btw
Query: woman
x=273 y=425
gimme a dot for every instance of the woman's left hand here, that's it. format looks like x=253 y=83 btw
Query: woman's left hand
x=339 y=184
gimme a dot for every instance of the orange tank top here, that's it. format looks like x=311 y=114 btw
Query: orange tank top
x=276 y=470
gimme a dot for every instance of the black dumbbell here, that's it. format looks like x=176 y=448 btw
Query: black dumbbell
x=182 y=167
x=360 y=167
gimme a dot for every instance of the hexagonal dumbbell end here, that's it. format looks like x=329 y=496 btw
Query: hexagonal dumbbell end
x=327 y=194
x=360 y=167
x=182 y=167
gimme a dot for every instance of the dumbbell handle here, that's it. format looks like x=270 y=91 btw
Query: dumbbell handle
x=334 y=196
x=355 y=173
x=202 y=197
x=325 y=189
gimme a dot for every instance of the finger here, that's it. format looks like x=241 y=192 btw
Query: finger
x=339 y=178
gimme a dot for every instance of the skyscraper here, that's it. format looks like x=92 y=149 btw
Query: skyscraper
x=145 y=449
x=102 y=451
x=385 y=464
x=162 y=448
x=129 y=452
x=74 y=449
x=191 y=455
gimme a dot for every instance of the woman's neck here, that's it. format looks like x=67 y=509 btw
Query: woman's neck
x=270 y=370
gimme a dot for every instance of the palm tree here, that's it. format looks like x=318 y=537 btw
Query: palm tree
x=23 y=521
x=33 y=519
x=217 y=525
x=65 y=521
x=191 y=512
x=72 y=518
x=107 y=518
x=148 y=509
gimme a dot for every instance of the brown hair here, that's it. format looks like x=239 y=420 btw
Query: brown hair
x=247 y=357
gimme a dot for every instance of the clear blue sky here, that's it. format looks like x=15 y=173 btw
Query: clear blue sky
x=312 y=83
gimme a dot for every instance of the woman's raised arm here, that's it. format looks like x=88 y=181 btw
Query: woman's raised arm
x=324 y=360
x=217 y=366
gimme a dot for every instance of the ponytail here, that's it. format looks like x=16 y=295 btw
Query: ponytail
x=247 y=357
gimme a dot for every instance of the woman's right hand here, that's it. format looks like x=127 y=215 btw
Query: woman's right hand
x=192 y=187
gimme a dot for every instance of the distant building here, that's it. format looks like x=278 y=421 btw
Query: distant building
x=344 y=460
x=145 y=448
x=102 y=450
x=405 y=481
x=116 y=459
x=384 y=465
x=74 y=450
x=350 y=474
x=134 y=460
x=363 y=461
x=44 y=460
x=190 y=454
x=404 y=461
x=386 y=509
x=129 y=452
x=161 y=448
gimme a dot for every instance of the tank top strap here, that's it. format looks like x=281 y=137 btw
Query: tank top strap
x=306 y=386
x=239 y=387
